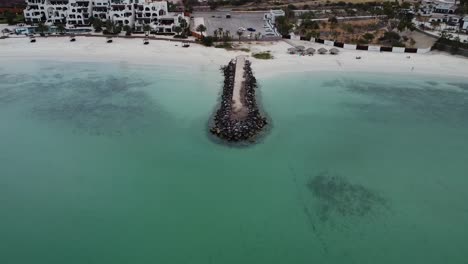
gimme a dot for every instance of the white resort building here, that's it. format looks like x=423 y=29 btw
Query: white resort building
x=134 y=13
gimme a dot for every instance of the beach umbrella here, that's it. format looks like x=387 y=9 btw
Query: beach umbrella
x=334 y=51
x=292 y=50
x=300 y=48
x=322 y=50
x=310 y=51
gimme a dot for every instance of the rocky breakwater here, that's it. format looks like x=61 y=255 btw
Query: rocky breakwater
x=238 y=117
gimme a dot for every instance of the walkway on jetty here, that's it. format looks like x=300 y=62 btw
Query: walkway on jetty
x=239 y=111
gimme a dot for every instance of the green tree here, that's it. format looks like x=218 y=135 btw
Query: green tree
x=201 y=28
x=146 y=28
x=183 y=23
x=110 y=26
x=240 y=33
x=258 y=35
x=309 y=24
x=227 y=36
x=61 y=28
x=177 y=30
x=97 y=24
x=283 y=25
x=128 y=30
x=207 y=41
x=42 y=28
x=368 y=37
x=388 y=10
x=10 y=17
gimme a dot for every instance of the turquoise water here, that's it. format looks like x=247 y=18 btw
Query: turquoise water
x=111 y=163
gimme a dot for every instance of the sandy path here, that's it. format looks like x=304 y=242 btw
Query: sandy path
x=239 y=80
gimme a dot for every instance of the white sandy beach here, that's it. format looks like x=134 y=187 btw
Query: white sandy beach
x=165 y=52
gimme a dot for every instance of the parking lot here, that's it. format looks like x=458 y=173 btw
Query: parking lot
x=216 y=20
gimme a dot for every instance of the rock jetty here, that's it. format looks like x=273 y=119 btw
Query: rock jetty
x=238 y=117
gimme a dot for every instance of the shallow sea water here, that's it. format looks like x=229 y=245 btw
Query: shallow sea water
x=112 y=163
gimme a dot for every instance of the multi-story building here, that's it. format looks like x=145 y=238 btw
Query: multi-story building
x=133 y=13
x=156 y=15
x=101 y=9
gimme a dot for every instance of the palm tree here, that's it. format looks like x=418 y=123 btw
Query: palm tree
x=10 y=17
x=42 y=28
x=128 y=30
x=97 y=24
x=177 y=30
x=61 y=28
x=258 y=35
x=201 y=28
x=240 y=33
x=146 y=28
x=183 y=23
x=226 y=35
x=109 y=26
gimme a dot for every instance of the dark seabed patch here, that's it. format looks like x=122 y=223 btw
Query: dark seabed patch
x=463 y=86
x=432 y=83
x=425 y=102
x=107 y=105
x=338 y=198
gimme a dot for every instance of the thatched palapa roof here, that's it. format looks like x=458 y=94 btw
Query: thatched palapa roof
x=300 y=48
x=292 y=50
x=322 y=50
x=334 y=51
x=310 y=51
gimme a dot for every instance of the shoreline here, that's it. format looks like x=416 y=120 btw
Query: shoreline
x=132 y=51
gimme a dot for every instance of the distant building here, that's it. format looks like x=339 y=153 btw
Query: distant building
x=445 y=8
x=452 y=20
x=429 y=7
x=133 y=13
x=273 y=15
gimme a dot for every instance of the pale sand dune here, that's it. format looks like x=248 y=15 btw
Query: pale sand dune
x=165 y=52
